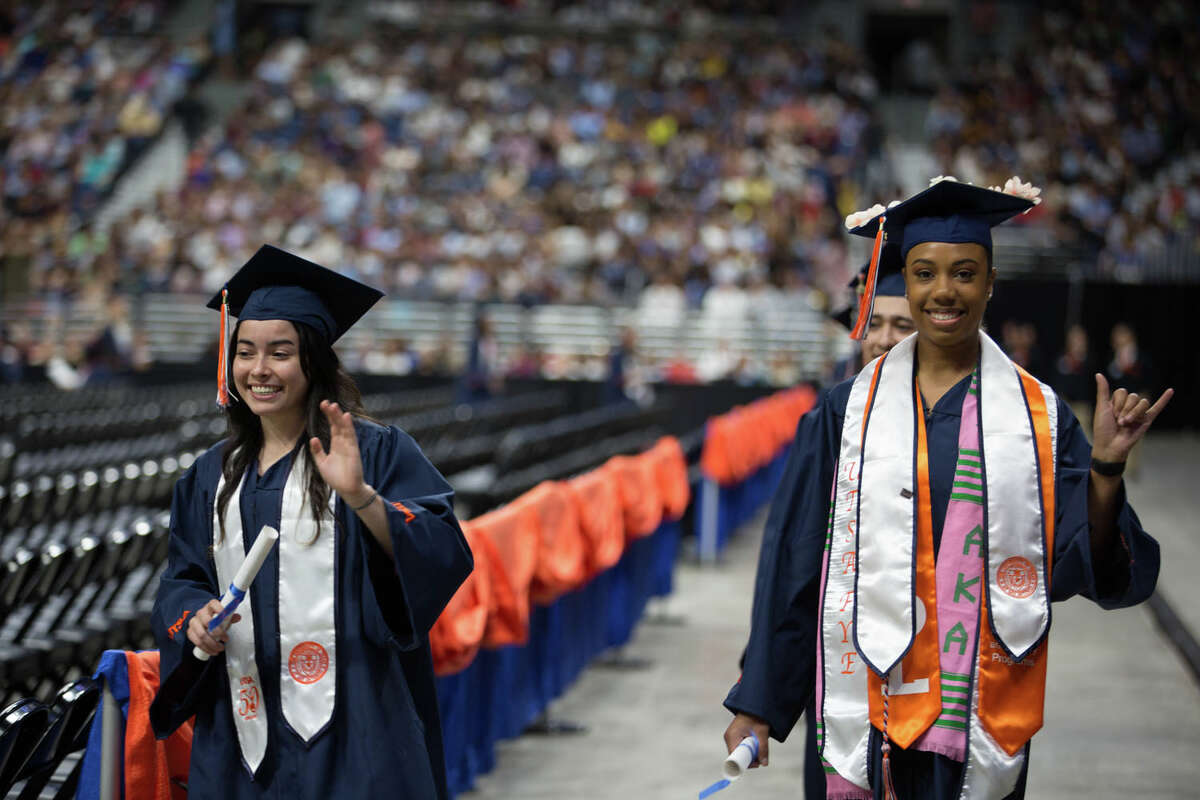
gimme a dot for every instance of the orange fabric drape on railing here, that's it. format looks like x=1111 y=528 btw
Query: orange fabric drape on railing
x=671 y=474
x=561 y=534
x=561 y=558
x=152 y=765
x=746 y=438
x=458 y=632
x=601 y=518
x=510 y=536
x=637 y=486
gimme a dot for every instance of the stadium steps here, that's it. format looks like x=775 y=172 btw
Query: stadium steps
x=162 y=168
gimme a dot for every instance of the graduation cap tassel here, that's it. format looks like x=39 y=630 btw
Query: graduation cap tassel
x=223 y=396
x=866 y=303
x=889 y=788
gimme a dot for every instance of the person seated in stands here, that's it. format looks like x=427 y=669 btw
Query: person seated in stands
x=932 y=508
x=326 y=686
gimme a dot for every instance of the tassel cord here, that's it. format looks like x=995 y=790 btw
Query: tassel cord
x=889 y=788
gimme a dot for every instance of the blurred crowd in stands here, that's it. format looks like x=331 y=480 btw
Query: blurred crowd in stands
x=1101 y=109
x=702 y=172
x=84 y=88
x=527 y=170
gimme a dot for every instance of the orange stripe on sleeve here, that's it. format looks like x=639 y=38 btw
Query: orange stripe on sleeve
x=408 y=515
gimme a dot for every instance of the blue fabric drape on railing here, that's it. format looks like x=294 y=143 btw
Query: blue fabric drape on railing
x=504 y=690
x=737 y=504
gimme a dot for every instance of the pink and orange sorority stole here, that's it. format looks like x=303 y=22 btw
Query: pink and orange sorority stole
x=880 y=585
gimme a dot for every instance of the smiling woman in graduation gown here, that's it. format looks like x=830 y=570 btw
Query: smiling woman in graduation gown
x=799 y=644
x=334 y=693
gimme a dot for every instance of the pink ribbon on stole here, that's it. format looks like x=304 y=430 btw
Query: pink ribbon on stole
x=959 y=588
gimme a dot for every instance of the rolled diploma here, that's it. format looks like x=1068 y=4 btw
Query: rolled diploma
x=241 y=581
x=741 y=758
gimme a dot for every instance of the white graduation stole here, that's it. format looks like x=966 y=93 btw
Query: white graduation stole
x=307 y=622
x=871 y=550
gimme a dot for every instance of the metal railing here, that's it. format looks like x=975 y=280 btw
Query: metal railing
x=181 y=330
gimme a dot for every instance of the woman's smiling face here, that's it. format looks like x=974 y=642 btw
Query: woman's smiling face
x=267 y=370
x=948 y=288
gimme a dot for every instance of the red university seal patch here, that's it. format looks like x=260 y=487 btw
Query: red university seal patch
x=1017 y=577
x=308 y=662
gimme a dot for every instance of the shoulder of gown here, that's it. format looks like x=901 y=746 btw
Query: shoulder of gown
x=780 y=658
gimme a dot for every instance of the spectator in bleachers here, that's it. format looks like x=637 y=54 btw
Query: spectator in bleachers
x=1074 y=376
x=327 y=678
x=1102 y=107
x=1019 y=341
x=524 y=169
x=624 y=379
x=482 y=377
x=663 y=301
x=12 y=359
x=1130 y=369
x=84 y=87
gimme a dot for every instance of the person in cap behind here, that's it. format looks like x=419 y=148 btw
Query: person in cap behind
x=326 y=687
x=890 y=318
x=910 y=614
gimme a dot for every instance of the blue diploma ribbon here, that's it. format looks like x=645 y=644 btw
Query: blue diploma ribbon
x=227 y=611
x=721 y=784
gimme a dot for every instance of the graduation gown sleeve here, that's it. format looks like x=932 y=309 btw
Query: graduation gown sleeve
x=779 y=667
x=187 y=584
x=431 y=557
x=1128 y=574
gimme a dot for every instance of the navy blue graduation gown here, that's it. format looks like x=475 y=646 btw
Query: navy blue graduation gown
x=385 y=738
x=777 y=682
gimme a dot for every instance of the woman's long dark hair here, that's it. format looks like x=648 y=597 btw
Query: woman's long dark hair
x=327 y=380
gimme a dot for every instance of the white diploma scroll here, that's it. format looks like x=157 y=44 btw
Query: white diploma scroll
x=267 y=538
x=741 y=758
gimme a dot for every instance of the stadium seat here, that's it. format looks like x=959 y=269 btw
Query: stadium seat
x=71 y=714
x=22 y=726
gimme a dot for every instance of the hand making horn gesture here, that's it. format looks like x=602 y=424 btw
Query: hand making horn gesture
x=1121 y=420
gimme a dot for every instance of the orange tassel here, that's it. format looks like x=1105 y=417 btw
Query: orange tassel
x=866 y=304
x=223 y=399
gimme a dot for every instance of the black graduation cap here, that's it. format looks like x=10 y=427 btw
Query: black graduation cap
x=890 y=283
x=948 y=211
x=275 y=284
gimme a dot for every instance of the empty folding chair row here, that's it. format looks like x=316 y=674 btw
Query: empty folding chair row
x=81 y=599
x=452 y=456
x=48 y=498
x=383 y=405
x=20 y=401
x=531 y=444
x=66 y=556
x=498 y=416
x=100 y=454
x=488 y=488
x=50 y=426
x=40 y=744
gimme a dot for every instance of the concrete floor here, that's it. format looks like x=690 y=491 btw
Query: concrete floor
x=1122 y=712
